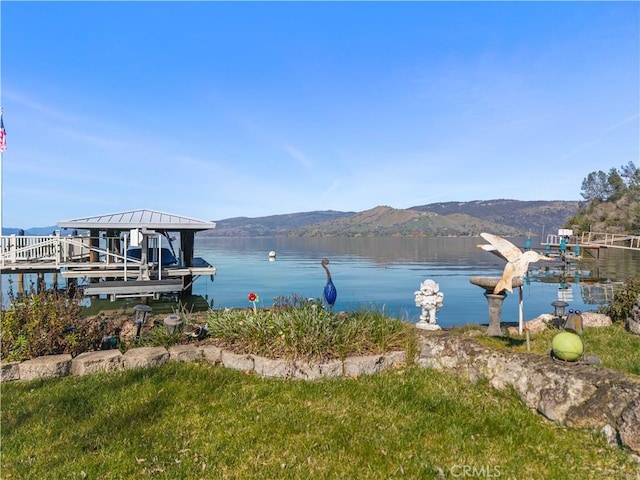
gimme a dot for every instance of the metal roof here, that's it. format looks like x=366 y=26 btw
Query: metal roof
x=138 y=219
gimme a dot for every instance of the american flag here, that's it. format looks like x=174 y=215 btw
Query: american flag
x=3 y=136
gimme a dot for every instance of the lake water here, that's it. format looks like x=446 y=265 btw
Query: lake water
x=385 y=273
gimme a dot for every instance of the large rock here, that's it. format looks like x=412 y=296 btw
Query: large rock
x=145 y=357
x=573 y=394
x=633 y=322
x=93 y=362
x=186 y=353
x=312 y=371
x=395 y=359
x=630 y=426
x=212 y=354
x=10 y=371
x=593 y=319
x=363 y=365
x=539 y=324
x=237 y=361
x=535 y=326
x=46 y=366
x=269 y=367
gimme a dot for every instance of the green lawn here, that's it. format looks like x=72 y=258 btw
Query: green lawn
x=191 y=421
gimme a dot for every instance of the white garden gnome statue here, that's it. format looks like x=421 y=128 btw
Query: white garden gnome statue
x=429 y=298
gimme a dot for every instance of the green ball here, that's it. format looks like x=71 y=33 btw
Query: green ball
x=567 y=346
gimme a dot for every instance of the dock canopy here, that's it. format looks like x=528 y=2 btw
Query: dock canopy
x=147 y=222
x=144 y=218
x=122 y=255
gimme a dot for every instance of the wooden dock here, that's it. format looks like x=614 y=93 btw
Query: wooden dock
x=610 y=240
x=108 y=271
x=133 y=288
x=592 y=242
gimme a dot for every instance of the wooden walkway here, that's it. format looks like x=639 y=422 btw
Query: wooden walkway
x=595 y=241
x=611 y=240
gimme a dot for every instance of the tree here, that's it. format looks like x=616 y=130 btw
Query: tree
x=616 y=186
x=612 y=201
x=596 y=187
x=631 y=174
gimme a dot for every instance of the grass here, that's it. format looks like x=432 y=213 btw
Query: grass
x=184 y=421
x=617 y=348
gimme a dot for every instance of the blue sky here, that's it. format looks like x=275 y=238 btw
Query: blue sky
x=214 y=110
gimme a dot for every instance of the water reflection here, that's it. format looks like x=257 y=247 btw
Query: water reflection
x=610 y=265
x=386 y=271
x=381 y=251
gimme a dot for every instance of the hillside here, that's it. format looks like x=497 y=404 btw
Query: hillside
x=534 y=216
x=386 y=221
x=272 y=225
x=503 y=217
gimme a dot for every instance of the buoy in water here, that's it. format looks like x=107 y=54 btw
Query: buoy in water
x=272 y=255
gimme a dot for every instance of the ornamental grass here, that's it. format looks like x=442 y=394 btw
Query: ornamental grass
x=307 y=331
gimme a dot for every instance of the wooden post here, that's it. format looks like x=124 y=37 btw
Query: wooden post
x=94 y=244
x=117 y=247
x=72 y=287
x=187 y=238
x=21 y=284
x=111 y=245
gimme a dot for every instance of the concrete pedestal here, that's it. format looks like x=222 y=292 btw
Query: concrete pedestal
x=495 y=313
x=494 y=300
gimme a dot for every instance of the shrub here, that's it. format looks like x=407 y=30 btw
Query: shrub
x=45 y=323
x=619 y=308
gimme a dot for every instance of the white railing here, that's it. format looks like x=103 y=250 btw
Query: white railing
x=59 y=251
x=18 y=248
x=554 y=239
x=617 y=240
x=613 y=240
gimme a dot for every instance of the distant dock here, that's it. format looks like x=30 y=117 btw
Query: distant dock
x=592 y=242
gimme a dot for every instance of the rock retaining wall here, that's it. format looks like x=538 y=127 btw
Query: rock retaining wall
x=573 y=395
x=113 y=360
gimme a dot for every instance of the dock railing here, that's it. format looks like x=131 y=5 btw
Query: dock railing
x=597 y=239
x=59 y=251
x=615 y=240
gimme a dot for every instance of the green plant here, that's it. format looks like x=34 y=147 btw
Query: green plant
x=306 y=330
x=45 y=323
x=156 y=336
x=619 y=308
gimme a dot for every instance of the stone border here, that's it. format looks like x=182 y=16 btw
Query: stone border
x=142 y=357
x=581 y=396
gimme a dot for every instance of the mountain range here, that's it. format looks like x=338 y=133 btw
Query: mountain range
x=501 y=217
